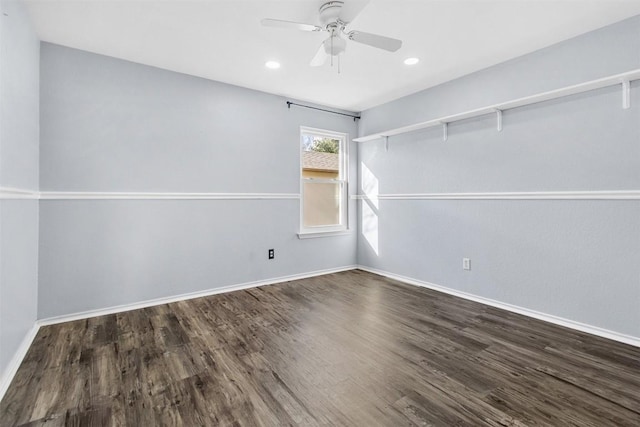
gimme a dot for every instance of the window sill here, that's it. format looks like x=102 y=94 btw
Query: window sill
x=316 y=234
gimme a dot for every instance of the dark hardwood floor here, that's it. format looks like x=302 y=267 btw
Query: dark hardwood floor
x=350 y=348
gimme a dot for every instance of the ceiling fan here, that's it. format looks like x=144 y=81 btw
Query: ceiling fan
x=334 y=18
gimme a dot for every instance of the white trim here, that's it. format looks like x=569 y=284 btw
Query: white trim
x=324 y=132
x=72 y=195
x=343 y=180
x=523 y=195
x=166 y=300
x=16 y=360
x=312 y=235
x=618 y=79
x=8 y=193
x=15 y=193
x=593 y=330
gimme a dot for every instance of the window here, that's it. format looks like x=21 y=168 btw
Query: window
x=323 y=182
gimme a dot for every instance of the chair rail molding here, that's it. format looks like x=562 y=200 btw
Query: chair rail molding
x=513 y=195
x=15 y=193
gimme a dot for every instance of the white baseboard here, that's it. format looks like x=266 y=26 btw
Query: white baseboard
x=183 y=297
x=593 y=330
x=16 y=360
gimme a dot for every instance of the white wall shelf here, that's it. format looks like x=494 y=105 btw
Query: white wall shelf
x=622 y=79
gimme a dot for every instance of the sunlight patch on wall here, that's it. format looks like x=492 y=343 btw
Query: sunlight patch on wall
x=370 y=225
x=370 y=207
x=369 y=184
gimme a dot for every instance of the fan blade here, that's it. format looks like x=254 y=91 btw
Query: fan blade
x=277 y=23
x=320 y=57
x=351 y=9
x=381 y=42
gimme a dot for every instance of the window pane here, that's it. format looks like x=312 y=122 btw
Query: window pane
x=321 y=204
x=321 y=157
x=323 y=176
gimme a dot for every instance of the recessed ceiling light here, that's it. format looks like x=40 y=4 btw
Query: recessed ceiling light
x=273 y=65
x=411 y=61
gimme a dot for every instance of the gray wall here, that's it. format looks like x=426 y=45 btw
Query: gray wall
x=112 y=125
x=19 y=57
x=575 y=259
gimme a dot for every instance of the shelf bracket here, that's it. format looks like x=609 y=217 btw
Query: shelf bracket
x=386 y=142
x=499 y=120
x=445 y=131
x=626 y=94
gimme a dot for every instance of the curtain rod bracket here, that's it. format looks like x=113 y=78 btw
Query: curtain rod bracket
x=499 y=120
x=386 y=142
x=445 y=131
x=626 y=94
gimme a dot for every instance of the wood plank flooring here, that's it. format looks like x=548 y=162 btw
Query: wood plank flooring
x=349 y=348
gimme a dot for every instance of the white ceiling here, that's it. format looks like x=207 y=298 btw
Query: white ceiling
x=223 y=40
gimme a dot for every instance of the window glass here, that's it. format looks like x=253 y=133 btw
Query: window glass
x=323 y=183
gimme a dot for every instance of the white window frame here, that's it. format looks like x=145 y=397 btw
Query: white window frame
x=327 y=230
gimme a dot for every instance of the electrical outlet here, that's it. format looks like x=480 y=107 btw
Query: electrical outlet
x=466 y=264
x=272 y=253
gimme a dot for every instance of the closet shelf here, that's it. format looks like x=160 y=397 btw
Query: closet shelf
x=622 y=79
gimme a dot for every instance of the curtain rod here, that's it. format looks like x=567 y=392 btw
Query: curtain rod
x=289 y=104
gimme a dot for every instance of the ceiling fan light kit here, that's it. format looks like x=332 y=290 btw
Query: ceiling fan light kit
x=334 y=17
x=334 y=45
